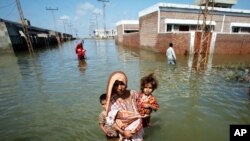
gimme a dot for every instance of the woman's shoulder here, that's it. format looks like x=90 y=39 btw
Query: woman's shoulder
x=133 y=92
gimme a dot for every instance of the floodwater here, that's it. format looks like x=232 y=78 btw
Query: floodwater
x=53 y=97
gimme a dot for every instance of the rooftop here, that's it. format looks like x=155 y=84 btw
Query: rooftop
x=127 y=22
x=157 y=6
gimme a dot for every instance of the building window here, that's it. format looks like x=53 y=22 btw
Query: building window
x=169 y=27
x=193 y=27
x=176 y=28
x=183 y=28
x=245 y=30
x=179 y=27
x=235 y=29
x=130 y=31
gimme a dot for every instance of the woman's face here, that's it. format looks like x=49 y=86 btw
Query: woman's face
x=120 y=87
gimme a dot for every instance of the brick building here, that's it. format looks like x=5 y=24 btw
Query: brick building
x=125 y=27
x=178 y=23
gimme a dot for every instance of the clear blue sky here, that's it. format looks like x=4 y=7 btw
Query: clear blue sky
x=79 y=13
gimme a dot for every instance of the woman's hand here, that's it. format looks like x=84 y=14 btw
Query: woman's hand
x=127 y=134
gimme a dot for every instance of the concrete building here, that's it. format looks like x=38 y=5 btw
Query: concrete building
x=99 y=33
x=178 y=23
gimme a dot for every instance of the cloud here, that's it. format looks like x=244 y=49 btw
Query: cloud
x=84 y=8
x=84 y=13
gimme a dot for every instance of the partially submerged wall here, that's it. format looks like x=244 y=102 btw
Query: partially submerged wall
x=181 y=42
x=5 y=43
x=131 y=39
x=224 y=43
x=232 y=44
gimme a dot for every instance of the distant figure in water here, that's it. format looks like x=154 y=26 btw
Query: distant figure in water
x=171 y=54
x=80 y=51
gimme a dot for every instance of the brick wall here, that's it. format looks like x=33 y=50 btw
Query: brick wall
x=148 y=30
x=175 y=15
x=131 y=39
x=181 y=42
x=131 y=27
x=120 y=31
x=232 y=44
x=119 y=37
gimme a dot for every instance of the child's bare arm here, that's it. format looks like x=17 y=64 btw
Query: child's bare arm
x=101 y=125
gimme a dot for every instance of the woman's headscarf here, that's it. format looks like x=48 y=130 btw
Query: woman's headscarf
x=117 y=75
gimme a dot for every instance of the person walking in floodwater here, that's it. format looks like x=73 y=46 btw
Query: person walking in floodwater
x=147 y=102
x=122 y=112
x=80 y=51
x=171 y=54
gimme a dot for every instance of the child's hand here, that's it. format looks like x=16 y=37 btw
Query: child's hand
x=146 y=105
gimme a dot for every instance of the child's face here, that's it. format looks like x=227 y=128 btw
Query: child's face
x=148 y=89
x=103 y=103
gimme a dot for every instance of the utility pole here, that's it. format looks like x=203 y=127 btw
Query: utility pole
x=70 y=28
x=202 y=51
x=96 y=19
x=104 y=18
x=64 y=22
x=91 y=27
x=76 y=32
x=52 y=11
x=25 y=28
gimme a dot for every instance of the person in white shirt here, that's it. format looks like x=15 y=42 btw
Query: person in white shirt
x=171 y=54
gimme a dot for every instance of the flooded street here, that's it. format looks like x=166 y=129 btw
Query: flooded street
x=54 y=97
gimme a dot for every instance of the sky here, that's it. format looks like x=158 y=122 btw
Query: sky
x=80 y=17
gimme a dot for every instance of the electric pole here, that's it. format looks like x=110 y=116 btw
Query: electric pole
x=64 y=21
x=52 y=11
x=104 y=18
x=70 y=28
x=54 y=20
x=96 y=19
x=25 y=28
x=202 y=51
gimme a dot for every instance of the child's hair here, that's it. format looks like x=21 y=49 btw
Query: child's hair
x=149 y=79
x=102 y=97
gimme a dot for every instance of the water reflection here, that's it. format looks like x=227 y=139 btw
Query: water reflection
x=53 y=96
x=82 y=64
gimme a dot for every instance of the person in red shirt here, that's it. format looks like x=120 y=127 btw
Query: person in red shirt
x=80 y=51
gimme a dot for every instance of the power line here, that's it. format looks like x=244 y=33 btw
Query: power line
x=104 y=15
x=52 y=11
